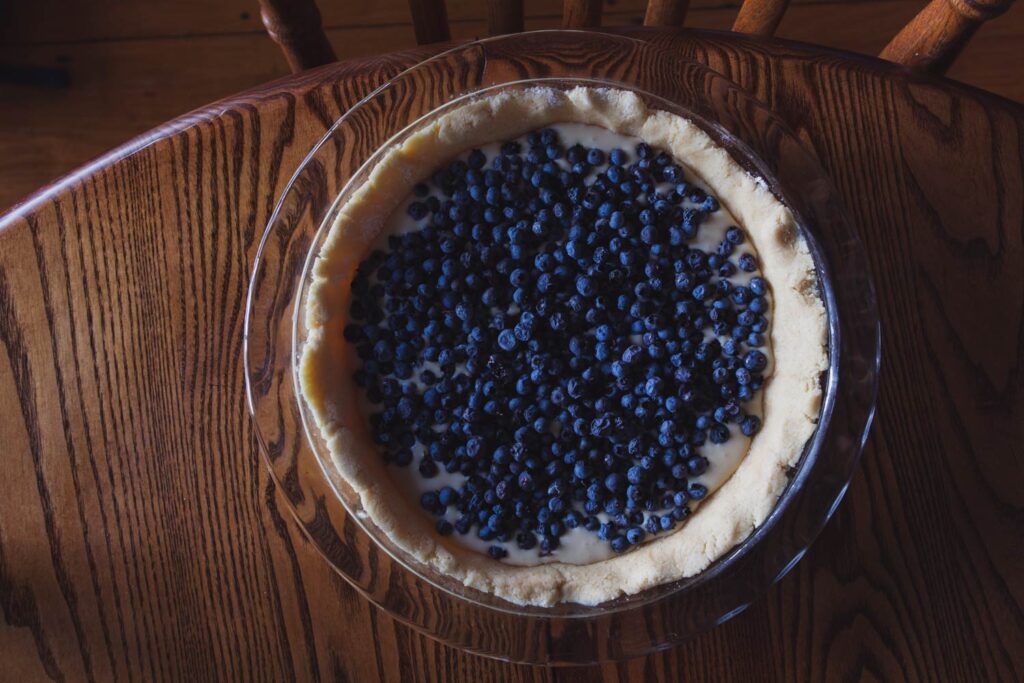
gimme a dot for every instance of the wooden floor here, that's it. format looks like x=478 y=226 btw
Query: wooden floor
x=78 y=77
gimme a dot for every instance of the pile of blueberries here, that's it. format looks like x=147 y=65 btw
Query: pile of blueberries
x=544 y=333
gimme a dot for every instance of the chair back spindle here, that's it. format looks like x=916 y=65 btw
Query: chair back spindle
x=666 y=12
x=581 y=14
x=931 y=41
x=504 y=16
x=430 y=21
x=935 y=37
x=760 y=17
x=296 y=27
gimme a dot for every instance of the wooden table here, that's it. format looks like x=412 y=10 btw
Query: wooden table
x=141 y=537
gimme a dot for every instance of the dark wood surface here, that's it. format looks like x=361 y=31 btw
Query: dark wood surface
x=162 y=58
x=141 y=539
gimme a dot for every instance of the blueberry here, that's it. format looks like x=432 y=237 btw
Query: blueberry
x=718 y=434
x=755 y=361
x=526 y=540
x=696 y=466
x=446 y=496
x=697 y=491
x=429 y=502
x=750 y=425
x=417 y=210
x=584 y=285
x=428 y=468
x=507 y=340
x=572 y=519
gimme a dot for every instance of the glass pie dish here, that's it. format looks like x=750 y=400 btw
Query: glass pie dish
x=330 y=512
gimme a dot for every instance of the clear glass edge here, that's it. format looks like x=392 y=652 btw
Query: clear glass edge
x=629 y=602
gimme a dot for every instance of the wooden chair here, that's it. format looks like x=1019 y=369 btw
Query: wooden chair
x=931 y=41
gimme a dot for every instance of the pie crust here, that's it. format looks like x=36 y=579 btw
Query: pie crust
x=792 y=394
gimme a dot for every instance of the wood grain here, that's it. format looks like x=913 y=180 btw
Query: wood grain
x=140 y=538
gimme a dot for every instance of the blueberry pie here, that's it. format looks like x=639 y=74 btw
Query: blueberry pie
x=563 y=347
